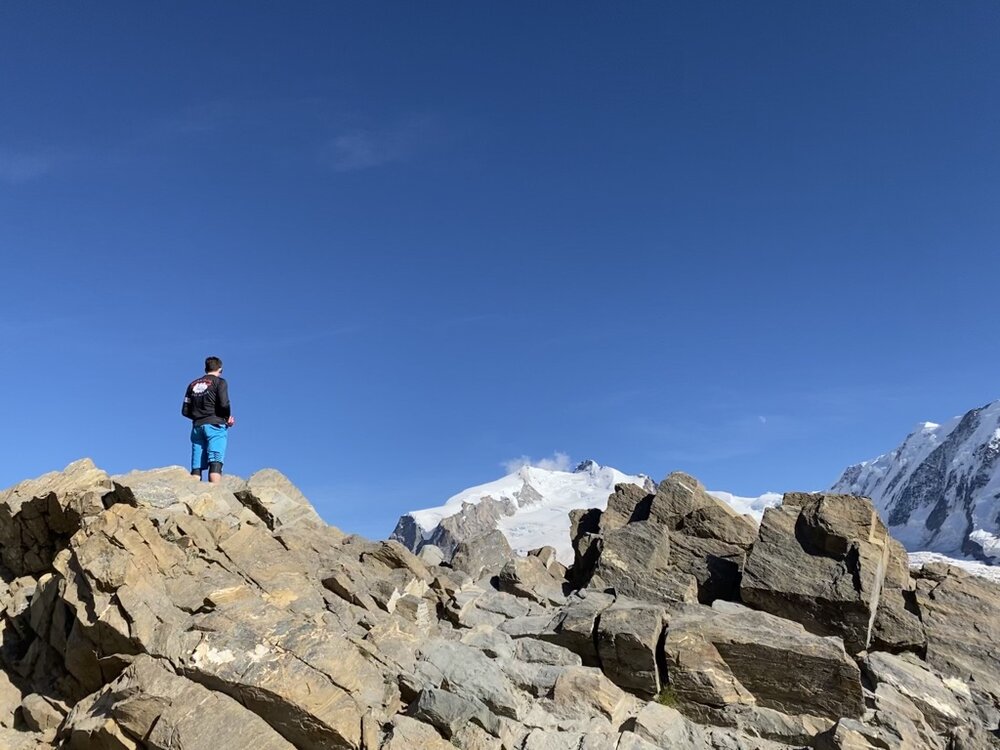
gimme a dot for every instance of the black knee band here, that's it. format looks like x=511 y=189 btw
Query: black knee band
x=215 y=467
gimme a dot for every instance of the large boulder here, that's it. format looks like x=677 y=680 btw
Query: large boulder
x=821 y=561
x=483 y=556
x=448 y=712
x=586 y=540
x=629 y=502
x=943 y=704
x=584 y=690
x=650 y=545
x=634 y=560
x=471 y=673
x=721 y=655
x=906 y=726
x=574 y=625
x=681 y=503
x=628 y=636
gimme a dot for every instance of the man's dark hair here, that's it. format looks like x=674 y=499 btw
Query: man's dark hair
x=212 y=364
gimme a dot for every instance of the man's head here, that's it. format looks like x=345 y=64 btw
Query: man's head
x=213 y=364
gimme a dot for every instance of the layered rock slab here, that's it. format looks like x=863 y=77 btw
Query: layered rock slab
x=961 y=616
x=152 y=705
x=820 y=560
x=724 y=655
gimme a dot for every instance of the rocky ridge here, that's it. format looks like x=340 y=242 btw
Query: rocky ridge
x=150 y=611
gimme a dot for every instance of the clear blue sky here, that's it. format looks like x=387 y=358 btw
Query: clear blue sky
x=753 y=241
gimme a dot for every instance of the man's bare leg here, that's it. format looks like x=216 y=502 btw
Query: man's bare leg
x=196 y=475
x=214 y=478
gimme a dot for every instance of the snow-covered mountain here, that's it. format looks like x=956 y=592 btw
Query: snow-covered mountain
x=531 y=507
x=940 y=489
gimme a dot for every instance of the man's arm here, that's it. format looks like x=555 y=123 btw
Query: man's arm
x=222 y=406
x=186 y=404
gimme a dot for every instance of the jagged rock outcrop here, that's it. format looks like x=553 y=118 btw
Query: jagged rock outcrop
x=148 y=610
x=650 y=545
x=820 y=560
x=38 y=516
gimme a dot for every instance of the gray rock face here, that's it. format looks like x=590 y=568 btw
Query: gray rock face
x=573 y=628
x=483 y=556
x=849 y=734
x=585 y=691
x=449 y=713
x=961 y=615
x=472 y=674
x=904 y=725
x=584 y=531
x=528 y=577
x=629 y=555
x=820 y=560
x=942 y=707
x=757 y=657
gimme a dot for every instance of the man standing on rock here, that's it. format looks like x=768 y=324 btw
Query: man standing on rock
x=206 y=404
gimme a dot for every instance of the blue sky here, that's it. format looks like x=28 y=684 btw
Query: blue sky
x=753 y=241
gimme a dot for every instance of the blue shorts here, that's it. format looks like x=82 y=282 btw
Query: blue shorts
x=208 y=446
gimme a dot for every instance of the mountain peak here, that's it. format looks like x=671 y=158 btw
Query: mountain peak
x=938 y=489
x=531 y=507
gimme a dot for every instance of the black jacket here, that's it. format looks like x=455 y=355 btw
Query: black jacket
x=206 y=401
